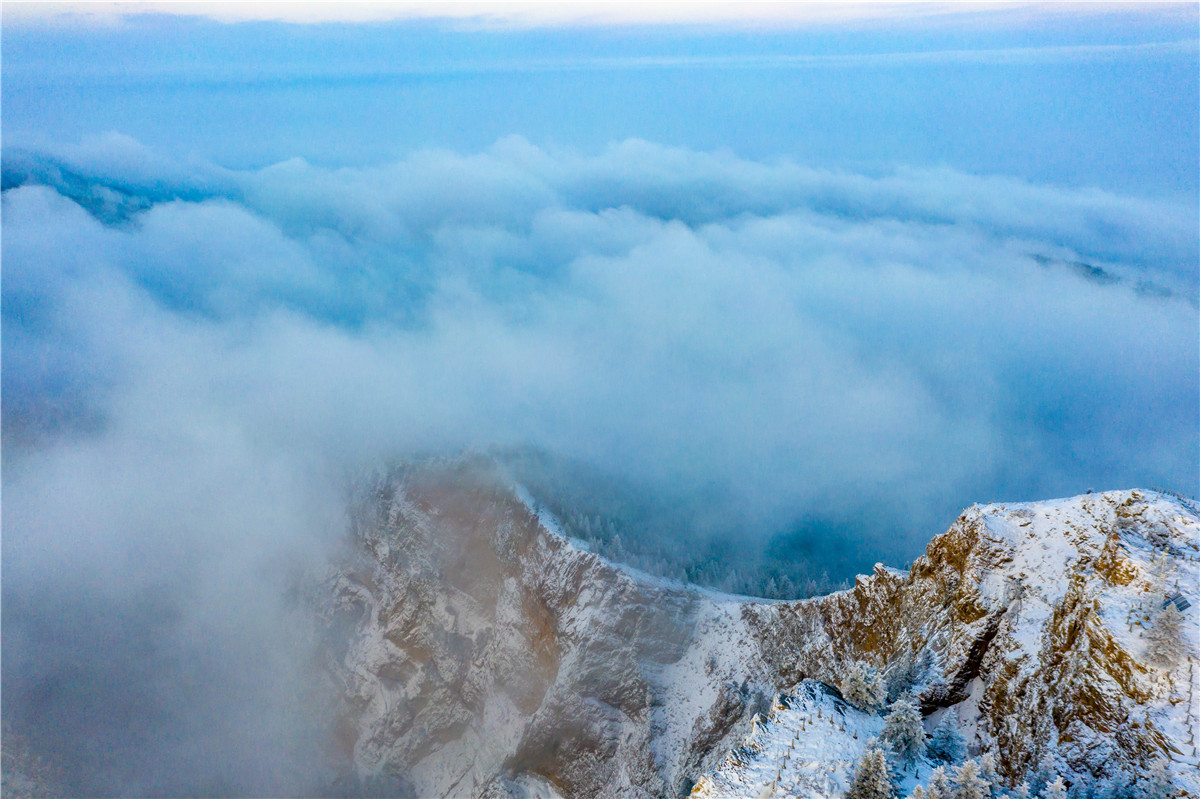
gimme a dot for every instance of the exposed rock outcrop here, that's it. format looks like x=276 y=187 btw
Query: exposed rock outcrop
x=482 y=654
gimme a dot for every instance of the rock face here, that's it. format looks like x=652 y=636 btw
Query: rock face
x=487 y=654
x=1035 y=622
x=480 y=653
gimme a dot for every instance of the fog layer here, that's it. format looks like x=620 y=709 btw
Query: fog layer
x=195 y=358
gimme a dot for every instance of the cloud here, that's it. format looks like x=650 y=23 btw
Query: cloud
x=195 y=357
x=647 y=303
x=583 y=14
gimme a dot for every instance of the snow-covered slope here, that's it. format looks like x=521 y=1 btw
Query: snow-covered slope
x=482 y=654
x=805 y=745
x=1035 y=618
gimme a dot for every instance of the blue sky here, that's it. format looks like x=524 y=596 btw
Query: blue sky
x=1072 y=97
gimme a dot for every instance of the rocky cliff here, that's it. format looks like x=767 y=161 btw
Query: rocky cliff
x=481 y=653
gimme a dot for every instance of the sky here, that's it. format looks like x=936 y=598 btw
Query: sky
x=830 y=276
x=1075 y=98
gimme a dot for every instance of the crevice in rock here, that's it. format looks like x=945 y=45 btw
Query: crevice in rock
x=952 y=692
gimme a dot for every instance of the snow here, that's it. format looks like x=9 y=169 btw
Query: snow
x=1046 y=537
x=1025 y=560
x=544 y=516
x=1039 y=548
x=551 y=524
x=805 y=748
x=1159 y=540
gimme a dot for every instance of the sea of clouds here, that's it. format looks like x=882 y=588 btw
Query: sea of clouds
x=195 y=358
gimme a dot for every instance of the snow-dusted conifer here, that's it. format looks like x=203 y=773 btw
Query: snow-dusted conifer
x=946 y=745
x=968 y=783
x=903 y=731
x=1115 y=786
x=1156 y=783
x=1082 y=788
x=872 y=778
x=862 y=686
x=1021 y=791
x=918 y=793
x=1042 y=776
x=922 y=664
x=901 y=677
x=1055 y=790
x=939 y=784
x=1165 y=636
x=1118 y=785
x=987 y=770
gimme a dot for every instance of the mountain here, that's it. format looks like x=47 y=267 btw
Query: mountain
x=482 y=653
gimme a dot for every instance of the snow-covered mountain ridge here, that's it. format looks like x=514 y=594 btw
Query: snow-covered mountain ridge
x=482 y=654
x=1036 y=618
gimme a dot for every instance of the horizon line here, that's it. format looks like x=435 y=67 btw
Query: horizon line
x=505 y=14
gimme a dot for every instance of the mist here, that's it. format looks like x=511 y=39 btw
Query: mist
x=799 y=360
x=791 y=366
x=795 y=339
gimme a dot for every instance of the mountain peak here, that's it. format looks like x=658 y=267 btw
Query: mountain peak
x=485 y=654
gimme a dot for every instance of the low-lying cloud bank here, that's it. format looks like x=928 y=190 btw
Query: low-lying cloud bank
x=194 y=358
x=791 y=335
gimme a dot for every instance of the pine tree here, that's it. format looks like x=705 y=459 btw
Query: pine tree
x=918 y=793
x=1165 y=635
x=862 y=686
x=1042 y=776
x=987 y=770
x=1118 y=785
x=903 y=731
x=1083 y=788
x=1021 y=791
x=901 y=677
x=872 y=779
x=946 y=745
x=1055 y=790
x=968 y=783
x=1105 y=789
x=1156 y=783
x=939 y=784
